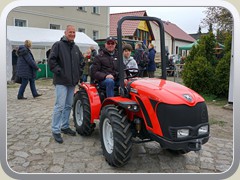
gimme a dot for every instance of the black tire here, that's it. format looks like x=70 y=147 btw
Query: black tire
x=116 y=136
x=82 y=113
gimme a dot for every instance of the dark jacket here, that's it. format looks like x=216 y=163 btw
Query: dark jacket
x=65 y=61
x=14 y=57
x=104 y=64
x=93 y=53
x=138 y=55
x=26 y=65
x=151 y=63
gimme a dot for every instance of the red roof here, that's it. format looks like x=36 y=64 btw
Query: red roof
x=128 y=27
x=177 y=33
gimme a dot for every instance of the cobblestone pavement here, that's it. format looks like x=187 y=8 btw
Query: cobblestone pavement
x=31 y=148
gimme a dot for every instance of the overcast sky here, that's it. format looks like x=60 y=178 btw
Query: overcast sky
x=186 y=18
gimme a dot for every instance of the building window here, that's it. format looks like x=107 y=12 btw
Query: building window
x=95 y=35
x=81 y=8
x=54 y=26
x=20 y=22
x=96 y=10
x=81 y=30
x=176 y=50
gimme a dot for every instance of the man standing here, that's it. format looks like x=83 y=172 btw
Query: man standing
x=14 y=63
x=104 y=68
x=65 y=61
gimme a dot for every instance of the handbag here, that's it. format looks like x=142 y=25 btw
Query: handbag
x=18 y=80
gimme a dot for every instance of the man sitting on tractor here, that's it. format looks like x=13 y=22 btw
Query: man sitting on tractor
x=104 y=68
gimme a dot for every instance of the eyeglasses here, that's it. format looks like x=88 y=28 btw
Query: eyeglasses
x=110 y=43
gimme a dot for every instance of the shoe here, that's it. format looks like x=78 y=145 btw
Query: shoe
x=58 y=138
x=23 y=98
x=37 y=95
x=68 y=131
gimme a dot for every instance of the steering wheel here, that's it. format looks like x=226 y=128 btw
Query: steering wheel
x=131 y=72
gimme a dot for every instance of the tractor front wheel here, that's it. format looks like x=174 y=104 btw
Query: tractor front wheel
x=115 y=135
x=82 y=113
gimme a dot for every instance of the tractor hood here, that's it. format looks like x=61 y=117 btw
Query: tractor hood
x=165 y=91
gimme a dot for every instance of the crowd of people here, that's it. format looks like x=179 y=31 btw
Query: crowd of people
x=70 y=66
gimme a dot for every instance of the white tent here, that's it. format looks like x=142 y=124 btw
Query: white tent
x=41 y=39
x=45 y=37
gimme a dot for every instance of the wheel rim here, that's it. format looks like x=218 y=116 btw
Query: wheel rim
x=108 y=135
x=79 y=113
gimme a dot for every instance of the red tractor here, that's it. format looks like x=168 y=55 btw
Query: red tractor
x=145 y=109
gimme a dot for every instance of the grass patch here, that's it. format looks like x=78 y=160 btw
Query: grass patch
x=212 y=99
x=44 y=82
x=38 y=82
x=13 y=85
x=219 y=123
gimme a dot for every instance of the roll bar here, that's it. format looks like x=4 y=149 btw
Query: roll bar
x=120 y=54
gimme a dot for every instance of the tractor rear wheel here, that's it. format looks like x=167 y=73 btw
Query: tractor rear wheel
x=82 y=113
x=115 y=135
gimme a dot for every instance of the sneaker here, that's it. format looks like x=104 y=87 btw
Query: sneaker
x=68 y=131
x=58 y=138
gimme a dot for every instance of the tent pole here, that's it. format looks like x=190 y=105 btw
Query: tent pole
x=46 y=62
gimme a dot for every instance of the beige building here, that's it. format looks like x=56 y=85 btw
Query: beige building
x=93 y=21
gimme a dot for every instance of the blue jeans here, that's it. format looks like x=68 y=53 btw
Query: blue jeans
x=62 y=108
x=109 y=85
x=84 y=77
x=24 y=85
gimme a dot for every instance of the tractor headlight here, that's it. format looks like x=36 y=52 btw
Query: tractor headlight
x=181 y=133
x=129 y=106
x=203 y=130
x=135 y=107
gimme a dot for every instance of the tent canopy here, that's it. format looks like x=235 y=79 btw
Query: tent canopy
x=189 y=46
x=45 y=37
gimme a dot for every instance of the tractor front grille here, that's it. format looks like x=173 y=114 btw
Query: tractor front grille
x=173 y=117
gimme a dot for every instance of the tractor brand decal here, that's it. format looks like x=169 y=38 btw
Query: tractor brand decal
x=134 y=90
x=187 y=97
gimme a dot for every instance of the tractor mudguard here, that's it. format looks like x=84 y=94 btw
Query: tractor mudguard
x=123 y=102
x=94 y=100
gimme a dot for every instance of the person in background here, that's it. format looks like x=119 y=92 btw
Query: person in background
x=104 y=68
x=26 y=69
x=138 y=57
x=65 y=61
x=88 y=62
x=128 y=60
x=93 y=54
x=14 y=63
x=151 y=67
x=93 y=51
x=48 y=52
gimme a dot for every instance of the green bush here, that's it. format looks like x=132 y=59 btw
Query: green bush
x=198 y=75
x=222 y=73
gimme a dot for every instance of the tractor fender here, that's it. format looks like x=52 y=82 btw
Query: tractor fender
x=94 y=100
x=122 y=102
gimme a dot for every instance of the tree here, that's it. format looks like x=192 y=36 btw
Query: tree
x=219 y=17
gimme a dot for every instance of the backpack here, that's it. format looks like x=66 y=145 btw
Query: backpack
x=143 y=62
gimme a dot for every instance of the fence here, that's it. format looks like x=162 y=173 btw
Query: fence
x=45 y=71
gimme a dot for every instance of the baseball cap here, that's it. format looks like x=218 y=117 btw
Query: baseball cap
x=110 y=38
